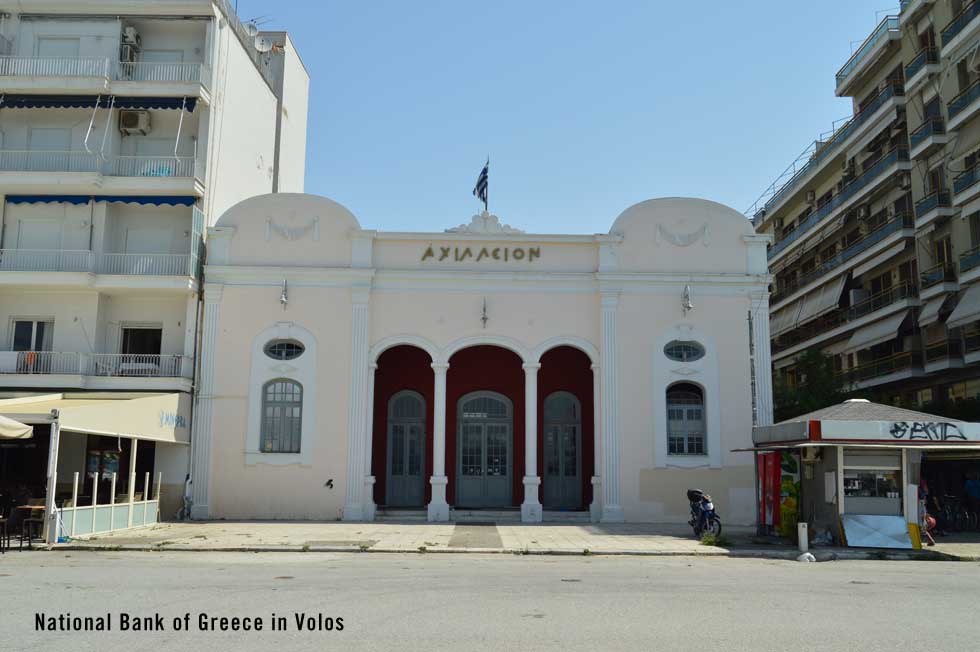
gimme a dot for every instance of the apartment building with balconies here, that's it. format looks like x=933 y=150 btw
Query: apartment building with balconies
x=126 y=129
x=877 y=223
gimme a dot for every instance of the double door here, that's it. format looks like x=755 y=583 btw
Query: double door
x=485 y=457
x=406 y=475
x=562 y=466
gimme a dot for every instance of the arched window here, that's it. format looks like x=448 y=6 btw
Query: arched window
x=282 y=416
x=685 y=420
x=284 y=349
x=683 y=351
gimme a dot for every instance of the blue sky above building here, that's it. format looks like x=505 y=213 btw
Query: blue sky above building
x=584 y=108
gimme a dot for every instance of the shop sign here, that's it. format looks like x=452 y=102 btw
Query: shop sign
x=461 y=254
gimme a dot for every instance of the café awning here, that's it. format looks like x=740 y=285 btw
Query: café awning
x=151 y=417
x=10 y=429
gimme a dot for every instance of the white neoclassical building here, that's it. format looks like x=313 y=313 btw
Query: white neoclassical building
x=347 y=371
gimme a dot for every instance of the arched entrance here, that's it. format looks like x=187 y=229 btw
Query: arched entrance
x=484 y=450
x=562 y=452
x=405 y=480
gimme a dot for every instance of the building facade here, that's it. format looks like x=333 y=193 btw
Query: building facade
x=126 y=128
x=346 y=370
x=876 y=255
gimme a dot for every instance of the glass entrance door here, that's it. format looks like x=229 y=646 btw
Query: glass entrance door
x=405 y=485
x=484 y=451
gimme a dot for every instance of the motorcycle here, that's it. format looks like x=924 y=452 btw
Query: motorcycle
x=704 y=518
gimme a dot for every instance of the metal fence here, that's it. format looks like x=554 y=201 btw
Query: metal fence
x=54 y=66
x=139 y=365
x=45 y=260
x=147 y=71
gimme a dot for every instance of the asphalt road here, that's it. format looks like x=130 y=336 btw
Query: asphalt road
x=501 y=602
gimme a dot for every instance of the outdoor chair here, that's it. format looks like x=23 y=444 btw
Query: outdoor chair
x=30 y=523
x=4 y=531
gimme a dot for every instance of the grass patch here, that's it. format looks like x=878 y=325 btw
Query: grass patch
x=719 y=541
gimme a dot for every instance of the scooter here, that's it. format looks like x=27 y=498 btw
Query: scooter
x=704 y=518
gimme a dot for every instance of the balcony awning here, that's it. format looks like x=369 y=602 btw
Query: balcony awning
x=144 y=200
x=785 y=318
x=91 y=101
x=880 y=259
x=155 y=417
x=822 y=299
x=877 y=333
x=929 y=313
x=967 y=310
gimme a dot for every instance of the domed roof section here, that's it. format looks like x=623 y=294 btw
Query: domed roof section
x=288 y=229
x=682 y=234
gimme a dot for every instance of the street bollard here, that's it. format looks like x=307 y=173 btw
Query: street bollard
x=802 y=536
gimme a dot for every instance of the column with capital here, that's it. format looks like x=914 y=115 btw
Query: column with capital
x=531 y=507
x=369 y=505
x=763 y=359
x=595 y=509
x=438 y=507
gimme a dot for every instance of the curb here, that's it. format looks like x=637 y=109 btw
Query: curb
x=785 y=555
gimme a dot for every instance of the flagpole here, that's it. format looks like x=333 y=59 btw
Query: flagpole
x=486 y=195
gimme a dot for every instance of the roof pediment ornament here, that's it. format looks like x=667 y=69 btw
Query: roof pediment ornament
x=682 y=239
x=485 y=223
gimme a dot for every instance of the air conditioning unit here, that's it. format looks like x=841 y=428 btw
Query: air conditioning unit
x=128 y=53
x=811 y=196
x=131 y=37
x=134 y=122
x=904 y=181
x=863 y=212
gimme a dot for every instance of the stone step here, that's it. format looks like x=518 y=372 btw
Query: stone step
x=485 y=515
x=396 y=515
x=566 y=517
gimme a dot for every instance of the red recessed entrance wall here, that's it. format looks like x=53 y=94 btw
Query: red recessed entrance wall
x=480 y=368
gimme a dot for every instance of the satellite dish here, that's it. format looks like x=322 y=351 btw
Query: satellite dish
x=252 y=29
x=264 y=44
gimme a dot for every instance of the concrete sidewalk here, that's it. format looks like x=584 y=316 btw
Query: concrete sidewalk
x=511 y=538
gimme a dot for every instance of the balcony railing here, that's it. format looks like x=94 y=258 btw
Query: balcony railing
x=969 y=259
x=925 y=55
x=943 y=350
x=936 y=199
x=102 y=67
x=146 y=71
x=97 y=364
x=145 y=264
x=54 y=67
x=822 y=149
x=931 y=127
x=962 y=19
x=54 y=260
x=965 y=179
x=889 y=24
x=121 y=166
x=840 y=317
x=41 y=362
x=870 y=174
x=896 y=223
x=878 y=368
x=45 y=260
x=963 y=100
x=935 y=275
x=139 y=365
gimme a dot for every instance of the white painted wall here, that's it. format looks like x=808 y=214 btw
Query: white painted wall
x=98 y=37
x=73 y=223
x=74 y=314
x=166 y=312
x=172 y=223
x=293 y=131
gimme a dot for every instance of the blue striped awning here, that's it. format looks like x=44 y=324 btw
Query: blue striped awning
x=91 y=101
x=143 y=200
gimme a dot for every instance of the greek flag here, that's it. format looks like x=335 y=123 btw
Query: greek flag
x=480 y=190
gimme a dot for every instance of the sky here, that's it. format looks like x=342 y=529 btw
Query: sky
x=584 y=108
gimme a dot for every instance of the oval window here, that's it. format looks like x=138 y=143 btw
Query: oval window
x=684 y=351
x=284 y=349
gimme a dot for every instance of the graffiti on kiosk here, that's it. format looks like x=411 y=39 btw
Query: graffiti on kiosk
x=172 y=420
x=926 y=430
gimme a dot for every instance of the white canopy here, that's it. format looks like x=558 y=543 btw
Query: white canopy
x=929 y=313
x=10 y=429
